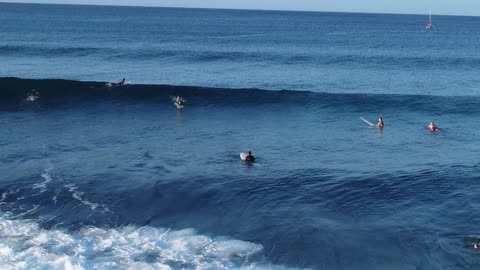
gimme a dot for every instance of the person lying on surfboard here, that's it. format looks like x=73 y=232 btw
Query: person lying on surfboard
x=432 y=127
x=380 y=123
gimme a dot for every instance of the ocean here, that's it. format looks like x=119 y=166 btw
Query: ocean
x=99 y=176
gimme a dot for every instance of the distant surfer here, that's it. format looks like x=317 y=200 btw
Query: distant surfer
x=380 y=123
x=432 y=127
x=33 y=95
x=122 y=82
x=249 y=158
x=179 y=101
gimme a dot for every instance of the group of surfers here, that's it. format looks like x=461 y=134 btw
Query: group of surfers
x=431 y=127
x=249 y=158
x=179 y=101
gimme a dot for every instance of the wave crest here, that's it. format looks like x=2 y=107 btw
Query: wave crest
x=54 y=92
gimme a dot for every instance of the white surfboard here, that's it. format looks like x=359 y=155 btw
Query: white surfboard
x=31 y=98
x=178 y=106
x=368 y=123
x=243 y=156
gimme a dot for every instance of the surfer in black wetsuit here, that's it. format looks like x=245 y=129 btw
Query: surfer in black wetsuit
x=122 y=82
x=34 y=93
x=250 y=158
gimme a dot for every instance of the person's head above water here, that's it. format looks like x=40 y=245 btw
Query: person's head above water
x=249 y=153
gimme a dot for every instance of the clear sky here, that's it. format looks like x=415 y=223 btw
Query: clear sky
x=447 y=7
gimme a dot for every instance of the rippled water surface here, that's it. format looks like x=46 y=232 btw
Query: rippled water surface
x=95 y=176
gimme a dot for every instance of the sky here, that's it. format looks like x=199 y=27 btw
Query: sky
x=444 y=7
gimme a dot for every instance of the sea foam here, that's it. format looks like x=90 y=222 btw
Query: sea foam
x=25 y=245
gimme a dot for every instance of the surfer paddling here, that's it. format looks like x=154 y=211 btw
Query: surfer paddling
x=122 y=82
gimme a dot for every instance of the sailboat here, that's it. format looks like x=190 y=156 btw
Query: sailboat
x=429 y=26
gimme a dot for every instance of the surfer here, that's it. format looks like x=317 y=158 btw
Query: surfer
x=179 y=101
x=380 y=123
x=250 y=158
x=33 y=95
x=432 y=127
x=122 y=82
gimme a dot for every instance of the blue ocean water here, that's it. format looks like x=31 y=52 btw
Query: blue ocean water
x=95 y=176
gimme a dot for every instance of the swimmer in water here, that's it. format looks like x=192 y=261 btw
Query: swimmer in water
x=380 y=123
x=122 y=82
x=250 y=158
x=432 y=127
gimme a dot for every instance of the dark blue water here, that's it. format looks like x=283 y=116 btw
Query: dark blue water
x=95 y=176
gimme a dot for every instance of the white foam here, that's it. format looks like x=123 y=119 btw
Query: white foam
x=78 y=195
x=24 y=212
x=24 y=245
x=4 y=195
x=43 y=185
x=9 y=192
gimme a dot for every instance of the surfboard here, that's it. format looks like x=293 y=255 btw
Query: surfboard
x=368 y=123
x=243 y=155
x=178 y=106
x=31 y=98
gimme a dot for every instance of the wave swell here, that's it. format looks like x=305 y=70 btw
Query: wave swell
x=58 y=91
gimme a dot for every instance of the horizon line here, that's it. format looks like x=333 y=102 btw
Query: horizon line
x=240 y=9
